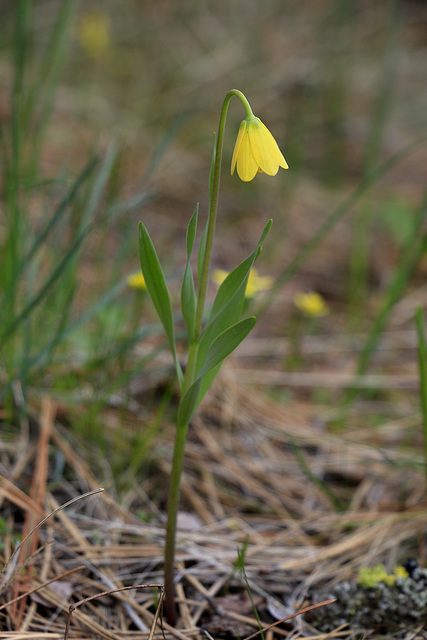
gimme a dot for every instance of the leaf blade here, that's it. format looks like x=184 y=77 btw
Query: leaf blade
x=157 y=288
x=221 y=347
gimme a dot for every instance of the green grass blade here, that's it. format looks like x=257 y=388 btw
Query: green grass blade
x=46 y=287
x=60 y=210
x=98 y=188
x=42 y=95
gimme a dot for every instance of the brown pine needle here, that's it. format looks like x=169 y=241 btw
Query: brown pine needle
x=293 y=615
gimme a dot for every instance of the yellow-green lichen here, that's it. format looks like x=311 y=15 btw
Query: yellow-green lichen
x=369 y=577
x=400 y=572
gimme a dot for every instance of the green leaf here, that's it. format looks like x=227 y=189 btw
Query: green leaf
x=188 y=404
x=191 y=231
x=156 y=287
x=226 y=342
x=188 y=302
x=188 y=293
x=229 y=301
x=229 y=314
x=232 y=283
x=206 y=383
x=220 y=348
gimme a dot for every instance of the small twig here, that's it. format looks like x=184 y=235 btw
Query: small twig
x=156 y=616
x=41 y=586
x=6 y=582
x=270 y=626
x=109 y=592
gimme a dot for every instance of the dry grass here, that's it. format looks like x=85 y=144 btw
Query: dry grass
x=243 y=481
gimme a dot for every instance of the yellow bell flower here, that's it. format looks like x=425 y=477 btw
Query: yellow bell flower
x=94 y=32
x=311 y=304
x=256 y=151
x=136 y=281
x=256 y=283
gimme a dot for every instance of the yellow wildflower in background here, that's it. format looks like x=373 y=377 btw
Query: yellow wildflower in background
x=256 y=151
x=256 y=283
x=136 y=281
x=311 y=304
x=94 y=32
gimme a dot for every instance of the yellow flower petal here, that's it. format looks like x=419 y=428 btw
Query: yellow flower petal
x=94 y=31
x=270 y=147
x=256 y=151
x=136 y=281
x=311 y=304
x=237 y=146
x=257 y=283
x=219 y=275
x=247 y=166
x=264 y=148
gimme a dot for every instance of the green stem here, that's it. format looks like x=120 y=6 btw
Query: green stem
x=173 y=503
x=203 y=285
x=181 y=430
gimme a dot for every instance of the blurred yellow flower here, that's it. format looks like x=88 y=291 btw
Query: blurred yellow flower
x=94 y=32
x=256 y=283
x=256 y=151
x=136 y=281
x=311 y=304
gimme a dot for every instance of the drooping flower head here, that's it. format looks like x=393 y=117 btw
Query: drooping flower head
x=256 y=151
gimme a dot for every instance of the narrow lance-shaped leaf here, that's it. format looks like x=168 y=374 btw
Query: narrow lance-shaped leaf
x=191 y=231
x=220 y=348
x=188 y=294
x=226 y=342
x=228 y=304
x=202 y=246
x=156 y=287
x=233 y=281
